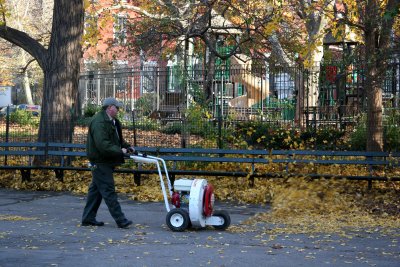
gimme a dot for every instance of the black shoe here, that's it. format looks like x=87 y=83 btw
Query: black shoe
x=124 y=223
x=92 y=223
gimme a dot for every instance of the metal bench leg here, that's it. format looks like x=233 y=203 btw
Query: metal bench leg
x=59 y=175
x=26 y=175
x=371 y=173
x=251 y=177
x=136 y=178
x=251 y=180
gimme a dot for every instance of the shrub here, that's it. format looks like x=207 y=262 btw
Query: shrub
x=324 y=138
x=90 y=110
x=172 y=128
x=23 y=117
x=145 y=103
x=196 y=123
x=392 y=130
x=83 y=121
x=146 y=124
x=391 y=134
x=263 y=135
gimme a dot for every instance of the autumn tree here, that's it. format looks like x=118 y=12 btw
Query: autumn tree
x=16 y=59
x=174 y=26
x=301 y=30
x=375 y=20
x=59 y=60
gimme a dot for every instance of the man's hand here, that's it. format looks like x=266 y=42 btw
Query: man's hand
x=129 y=150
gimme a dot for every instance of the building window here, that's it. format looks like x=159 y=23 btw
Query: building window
x=120 y=29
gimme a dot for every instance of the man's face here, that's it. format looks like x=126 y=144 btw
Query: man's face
x=112 y=111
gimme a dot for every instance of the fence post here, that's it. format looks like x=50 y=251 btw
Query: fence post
x=7 y=131
x=72 y=125
x=134 y=128
x=183 y=128
x=7 y=123
x=219 y=127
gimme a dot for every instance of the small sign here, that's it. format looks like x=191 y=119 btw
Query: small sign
x=5 y=96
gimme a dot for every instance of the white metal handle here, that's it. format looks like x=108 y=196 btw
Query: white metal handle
x=142 y=159
x=154 y=160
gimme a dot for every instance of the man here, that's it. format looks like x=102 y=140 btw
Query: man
x=105 y=149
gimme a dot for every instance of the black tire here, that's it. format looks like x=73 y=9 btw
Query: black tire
x=178 y=220
x=225 y=217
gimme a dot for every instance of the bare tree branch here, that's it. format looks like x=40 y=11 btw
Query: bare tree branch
x=26 y=42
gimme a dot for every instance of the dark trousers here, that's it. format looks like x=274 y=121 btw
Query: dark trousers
x=102 y=187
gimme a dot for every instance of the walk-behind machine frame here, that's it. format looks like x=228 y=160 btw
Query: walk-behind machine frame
x=192 y=201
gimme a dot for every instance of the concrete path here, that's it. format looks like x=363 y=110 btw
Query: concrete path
x=43 y=229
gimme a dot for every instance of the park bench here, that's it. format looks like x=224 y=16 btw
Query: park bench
x=256 y=158
x=23 y=153
x=20 y=156
x=63 y=154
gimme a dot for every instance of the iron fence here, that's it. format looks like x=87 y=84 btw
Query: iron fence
x=160 y=110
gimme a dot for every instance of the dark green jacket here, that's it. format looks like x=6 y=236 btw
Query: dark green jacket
x=103 y=144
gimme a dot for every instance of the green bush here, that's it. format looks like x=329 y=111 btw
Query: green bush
x=83 y=121
x=24 y=117
x=263 y=135
x=196 y=123
x=391 y=134
x=201 y=128
x=145 y=103
x=323 y=138
x=358 y=138
x=392 y=138
x=90 y=110
x=172 y=128
x=146 y=124
x=392 y=130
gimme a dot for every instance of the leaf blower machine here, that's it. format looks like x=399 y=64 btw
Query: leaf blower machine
x=192 y=201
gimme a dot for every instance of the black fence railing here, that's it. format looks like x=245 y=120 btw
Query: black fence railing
x=165 y=107
x=198 y=131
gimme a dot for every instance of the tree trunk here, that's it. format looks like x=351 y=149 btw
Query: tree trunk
x=207 y=86
x=373 y=81
x=374 y=98
x=61 y=70
x=25 y=83
x=374 y=113
x=310 y=96
x=316 y=21
x=27 y=88
x=210 y=77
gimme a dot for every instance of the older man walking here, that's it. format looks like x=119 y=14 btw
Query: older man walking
x=105 y=149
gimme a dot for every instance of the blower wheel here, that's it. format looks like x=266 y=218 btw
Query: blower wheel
x=225 y=218
x=178 y=220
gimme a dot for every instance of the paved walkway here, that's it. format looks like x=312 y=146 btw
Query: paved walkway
x=43 y=229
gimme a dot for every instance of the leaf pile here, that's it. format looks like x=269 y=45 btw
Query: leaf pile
x=298 y=205
x=331 y=206
x=15 y=218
